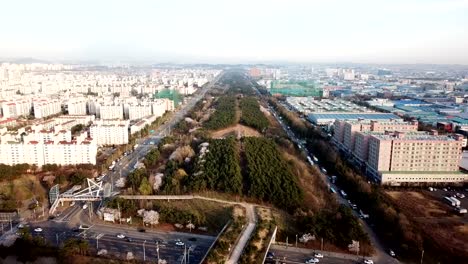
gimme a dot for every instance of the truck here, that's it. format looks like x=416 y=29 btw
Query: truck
x=449 y=201
x=461 y=211
x=112 y=166
x=456 y=201
x=310 y=160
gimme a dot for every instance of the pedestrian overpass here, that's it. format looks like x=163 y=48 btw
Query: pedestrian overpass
x=94 y=191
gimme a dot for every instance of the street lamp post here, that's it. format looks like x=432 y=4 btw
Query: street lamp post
x=157 y=250
x=296 y=240
x=97 y=240
x=144 y=252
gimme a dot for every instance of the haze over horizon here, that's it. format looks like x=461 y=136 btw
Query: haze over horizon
x=415 y=31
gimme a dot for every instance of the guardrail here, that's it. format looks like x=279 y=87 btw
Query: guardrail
x=214 y=242
x=272 y=239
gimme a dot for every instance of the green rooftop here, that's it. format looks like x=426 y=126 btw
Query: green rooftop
x=170 y=94
x=296 y=88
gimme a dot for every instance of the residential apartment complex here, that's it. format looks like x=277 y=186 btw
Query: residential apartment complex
x=77 y=106
x=109 y=134
x=46 y=107
x=46 y=147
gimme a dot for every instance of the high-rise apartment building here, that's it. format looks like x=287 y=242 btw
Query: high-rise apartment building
x=111 y=112
x=46 y=147
x=77 y=106
x=46 y=107
x=109 y=134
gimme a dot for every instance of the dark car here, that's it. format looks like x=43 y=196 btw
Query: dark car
x=141 y=229
x=129 y=239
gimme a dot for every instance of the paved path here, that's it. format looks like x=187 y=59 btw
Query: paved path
x=245 y=237
x=246 y=233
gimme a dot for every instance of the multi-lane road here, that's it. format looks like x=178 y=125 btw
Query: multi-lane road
x=104 y=236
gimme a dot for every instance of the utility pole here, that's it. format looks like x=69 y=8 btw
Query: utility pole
x=97 y=240
x=144 y=252
x=296 y=240
x=287 y=242
x=157 y=250
x=422 y=256
x=188 y=255
x=322 y=244
x=57 y=239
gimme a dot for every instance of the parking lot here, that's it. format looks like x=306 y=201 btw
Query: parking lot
x=439 y=193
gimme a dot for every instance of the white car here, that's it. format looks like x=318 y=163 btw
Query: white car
x=179 y=243
x=85 y=206
x=368 y=261
x=121 y=236
x=460 y=195
x=312 y=260
x=38 y=230
x=318 y=255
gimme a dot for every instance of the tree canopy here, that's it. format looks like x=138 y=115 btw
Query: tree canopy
x=251 y=114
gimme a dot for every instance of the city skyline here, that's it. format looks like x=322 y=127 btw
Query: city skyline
x=426 y=32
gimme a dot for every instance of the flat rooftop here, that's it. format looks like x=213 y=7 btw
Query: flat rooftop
x=354 y=116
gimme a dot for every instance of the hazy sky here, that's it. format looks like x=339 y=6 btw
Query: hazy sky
x=391 y=31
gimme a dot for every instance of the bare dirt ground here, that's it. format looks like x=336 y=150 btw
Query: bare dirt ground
x=434 y=218
x=236 y=130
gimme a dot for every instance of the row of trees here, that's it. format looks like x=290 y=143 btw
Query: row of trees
x=8 y=173
x=269 y=177
x=225 y=114
x=219 y=168
x=338 y=227
x=167 y=213
x=251 y=114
